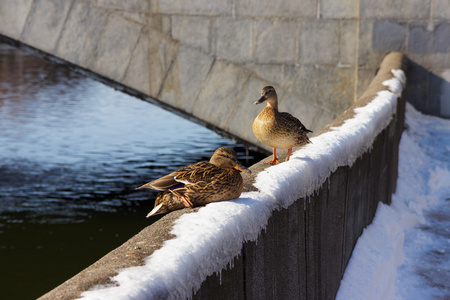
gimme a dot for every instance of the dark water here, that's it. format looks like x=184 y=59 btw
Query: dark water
x=72 y=152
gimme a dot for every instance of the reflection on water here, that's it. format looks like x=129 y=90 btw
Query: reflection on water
x=71 y=153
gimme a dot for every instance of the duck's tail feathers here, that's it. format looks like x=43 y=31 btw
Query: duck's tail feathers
x=162 y=184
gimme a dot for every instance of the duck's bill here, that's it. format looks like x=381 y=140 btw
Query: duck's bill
x=261 y=100
x=242 y=168
x=154 y=211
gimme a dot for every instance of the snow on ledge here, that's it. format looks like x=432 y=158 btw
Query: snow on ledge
x=207 y=241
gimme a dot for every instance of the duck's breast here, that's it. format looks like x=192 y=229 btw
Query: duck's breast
x=273 y=130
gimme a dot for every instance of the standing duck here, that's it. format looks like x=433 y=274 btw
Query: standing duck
x=200 y=183
x=278 y=129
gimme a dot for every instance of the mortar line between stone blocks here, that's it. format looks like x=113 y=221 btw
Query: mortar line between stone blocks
x=236 y=104
x=94 y=51
x=30 y=12
x=233 y=8
x=169 y=69
x=125 y=72
x=202 y=85
x=63 y=27
x=318 y=9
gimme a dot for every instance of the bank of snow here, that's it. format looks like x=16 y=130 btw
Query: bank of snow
x=405 y=252
x=206 y=241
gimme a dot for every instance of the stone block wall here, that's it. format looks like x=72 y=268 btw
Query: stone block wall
x=208 y=60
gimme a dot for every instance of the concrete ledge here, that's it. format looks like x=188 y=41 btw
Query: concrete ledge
x=133 y=252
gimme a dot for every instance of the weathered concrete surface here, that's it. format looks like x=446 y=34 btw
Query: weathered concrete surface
x=131 y=253
x=209 y=60
x=321 y=232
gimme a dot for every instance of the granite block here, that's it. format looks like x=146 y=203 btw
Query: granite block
x=194 y=31
x=319 y=42
x=184 y=80
x=339 y=9
x=271 y=73
x=233 y=39
x=137 y=74
x=80 y=34
x=14 y=15
x=425 y=40
x=45 y=23
x=241 y=120
x=194 y=7
x=120 y=5
x=137 y=17
x=326 y=86
x=115 y=47
x=441 y=9
x=388 y=36
x=367 y=57
x=219 y=95
x=400 y=9
x=286 y=8
x=348 y=42
x=276 y=41
x=161 y=54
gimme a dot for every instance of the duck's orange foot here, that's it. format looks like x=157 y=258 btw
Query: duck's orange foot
x=186 y=202
x=272 y=162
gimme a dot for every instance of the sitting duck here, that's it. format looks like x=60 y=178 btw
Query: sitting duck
x=278 y=129
x=200 y=183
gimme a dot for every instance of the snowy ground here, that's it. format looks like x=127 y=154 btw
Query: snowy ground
x=405 y=252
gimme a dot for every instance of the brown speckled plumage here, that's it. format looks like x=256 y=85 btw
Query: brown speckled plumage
x=199 y=183
x=278 y=129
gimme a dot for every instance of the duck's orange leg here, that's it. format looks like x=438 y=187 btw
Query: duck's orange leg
x=274 y=161
x=289 y=154
x=186 y=202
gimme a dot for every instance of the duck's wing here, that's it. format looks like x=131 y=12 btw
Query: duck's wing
x=186 y=175
x=196 y=182
x=161 y=184
x=293 y=121
x=199 y=172
x=224 y=185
